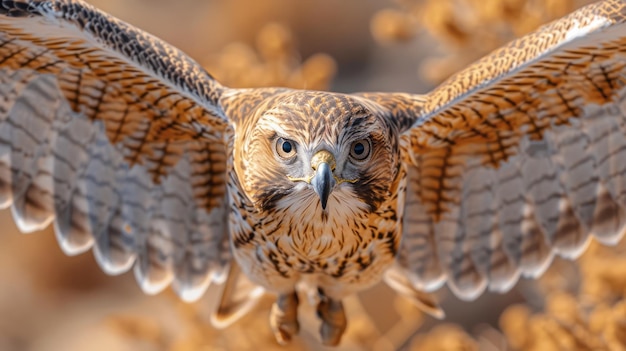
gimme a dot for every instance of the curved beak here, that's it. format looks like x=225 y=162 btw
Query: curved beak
x=323 y=182
x=323 y=162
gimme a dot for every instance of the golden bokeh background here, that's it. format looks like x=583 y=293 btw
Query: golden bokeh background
x=52 y=302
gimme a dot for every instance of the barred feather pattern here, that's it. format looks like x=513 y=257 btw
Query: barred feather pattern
x=518 y=158
x=117 y=138
x=57 y=164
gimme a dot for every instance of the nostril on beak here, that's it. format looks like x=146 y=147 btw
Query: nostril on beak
x=323 y=156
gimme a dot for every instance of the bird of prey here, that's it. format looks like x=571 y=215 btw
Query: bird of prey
x=129 y=147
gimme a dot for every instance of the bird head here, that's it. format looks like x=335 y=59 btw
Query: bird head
x=318 y=150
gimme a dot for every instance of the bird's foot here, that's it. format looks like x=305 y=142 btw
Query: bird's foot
x=284 y=317
x=333 y=320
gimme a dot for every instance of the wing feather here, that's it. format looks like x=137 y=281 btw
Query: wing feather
x=28 y=126
x=418 y=250
x=522 y=155
x=118 y=138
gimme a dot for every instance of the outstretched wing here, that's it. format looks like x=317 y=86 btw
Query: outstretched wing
x=118 y=138
x=518 y=157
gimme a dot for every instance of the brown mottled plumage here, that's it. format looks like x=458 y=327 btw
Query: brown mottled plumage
x=132 y=148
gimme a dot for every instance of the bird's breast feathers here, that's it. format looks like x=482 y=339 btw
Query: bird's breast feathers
x=346 y=242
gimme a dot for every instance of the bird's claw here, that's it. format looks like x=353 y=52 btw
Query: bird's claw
x=284 y=318
x=333 y=321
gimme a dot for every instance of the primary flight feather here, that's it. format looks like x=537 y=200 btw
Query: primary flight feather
x=130 y=147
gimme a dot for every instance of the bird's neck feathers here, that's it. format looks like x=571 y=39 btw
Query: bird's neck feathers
x=317 y=233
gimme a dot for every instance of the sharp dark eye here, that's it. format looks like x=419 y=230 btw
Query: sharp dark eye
x=285 y=148
x=360 y=149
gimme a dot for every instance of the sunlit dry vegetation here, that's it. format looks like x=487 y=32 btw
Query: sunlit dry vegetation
x=464 y=30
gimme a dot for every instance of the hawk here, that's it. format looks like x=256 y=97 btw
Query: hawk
x=129 y=147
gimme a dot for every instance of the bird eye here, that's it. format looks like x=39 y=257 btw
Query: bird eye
x=360 y=149
x=285 y=148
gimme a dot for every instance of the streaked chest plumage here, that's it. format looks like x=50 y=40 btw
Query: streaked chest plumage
x=344 y=249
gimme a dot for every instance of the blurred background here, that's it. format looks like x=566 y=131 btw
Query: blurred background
x=52 y=302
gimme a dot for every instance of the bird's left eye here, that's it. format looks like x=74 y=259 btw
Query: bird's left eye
x=285 y=148
x=360 y=149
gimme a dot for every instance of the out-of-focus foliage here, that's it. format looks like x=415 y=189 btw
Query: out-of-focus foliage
x=591 y=317
x=273 y=61
x=464 y=30
x=582 y=307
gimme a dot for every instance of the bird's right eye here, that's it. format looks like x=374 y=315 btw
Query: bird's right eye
x=285 y=148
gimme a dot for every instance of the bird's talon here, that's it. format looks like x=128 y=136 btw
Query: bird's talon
x=282 y=336
x=284 y=318
x=334 y=321
x=330 y=334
